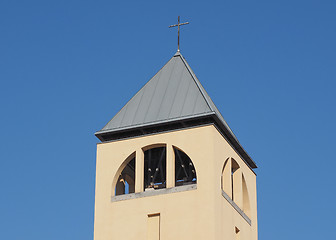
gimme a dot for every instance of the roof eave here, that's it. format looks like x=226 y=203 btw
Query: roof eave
x=156 y=123
x=221 y=127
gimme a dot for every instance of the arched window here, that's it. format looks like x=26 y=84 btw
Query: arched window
x=126 y=181
x=155 y=168
x=234 y=185
x=231 y=178
x=185 y=172
x=154 y=160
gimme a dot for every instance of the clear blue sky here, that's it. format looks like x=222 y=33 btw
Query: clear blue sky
x=66 y=67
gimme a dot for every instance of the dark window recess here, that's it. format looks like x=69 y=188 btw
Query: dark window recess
x=155 y=168
x=126 y=180
x=185 y=172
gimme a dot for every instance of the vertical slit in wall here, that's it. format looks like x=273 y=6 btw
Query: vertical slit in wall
x=232 y=187
x=153 y=226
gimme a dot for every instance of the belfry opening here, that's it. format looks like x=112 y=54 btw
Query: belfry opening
x=155 y=168
x=185 y=172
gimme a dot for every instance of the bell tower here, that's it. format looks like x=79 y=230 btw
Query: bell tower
x=169 y=167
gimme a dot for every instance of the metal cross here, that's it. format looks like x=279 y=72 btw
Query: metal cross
x=178 y=31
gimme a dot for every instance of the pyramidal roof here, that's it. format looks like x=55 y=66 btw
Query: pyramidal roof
x=173 y=98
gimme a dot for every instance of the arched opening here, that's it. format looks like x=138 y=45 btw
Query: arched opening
x=246 y=199
x=155 y=168
x=126 y=180
x=154 y=159
x=232 y=180
x=185 y=172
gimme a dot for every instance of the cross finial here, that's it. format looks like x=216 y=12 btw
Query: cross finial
x=178 y=31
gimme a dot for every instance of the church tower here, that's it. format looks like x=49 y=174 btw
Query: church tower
x=170 y=168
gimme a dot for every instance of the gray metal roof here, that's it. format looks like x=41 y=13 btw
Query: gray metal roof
x=173 y=94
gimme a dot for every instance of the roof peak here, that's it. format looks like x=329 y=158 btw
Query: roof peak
x=173 y=95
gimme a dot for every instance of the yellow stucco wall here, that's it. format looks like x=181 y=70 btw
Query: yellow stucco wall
x=201 y=213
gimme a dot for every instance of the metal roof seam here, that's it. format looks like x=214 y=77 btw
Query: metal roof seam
x=170 y=75
x=136 y=112
x=180 y=80
x=185 y=97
